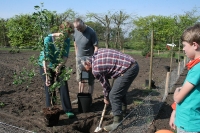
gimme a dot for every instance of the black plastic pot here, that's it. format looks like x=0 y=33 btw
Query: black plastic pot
x=51 y=116
x=152 y=84
x=177 y=60
x=182 y=57
x=84 y=102
x=167 y=68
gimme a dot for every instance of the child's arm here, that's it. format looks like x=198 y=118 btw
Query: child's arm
x=181 y=92
x=172 y=119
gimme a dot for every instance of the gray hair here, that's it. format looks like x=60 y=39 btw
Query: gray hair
x=78 y=22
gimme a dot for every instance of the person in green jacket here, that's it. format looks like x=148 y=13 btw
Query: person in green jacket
x=52 y=61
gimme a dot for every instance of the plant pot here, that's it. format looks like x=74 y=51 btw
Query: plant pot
x=51 y=116
x=152 y=84
x=167 y=68
x=177 y=60
x=84 y=102
x=182 y=57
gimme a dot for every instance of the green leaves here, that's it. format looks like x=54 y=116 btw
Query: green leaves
x=2 y=104
x=166 y=29
x=46 y=22
x=20 y=31
x=63 y=77
x=55 y=85
x=23 y=76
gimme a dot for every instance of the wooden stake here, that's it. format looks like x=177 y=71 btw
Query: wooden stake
x=151 y=61
x=167 y=84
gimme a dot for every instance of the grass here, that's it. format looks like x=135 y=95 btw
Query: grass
x=26 y=49
x=135 y=52
x=2 y=104
x=137 y=102
x=162 y=54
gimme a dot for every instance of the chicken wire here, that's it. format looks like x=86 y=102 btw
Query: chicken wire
x=140 y=118
x=6 y=128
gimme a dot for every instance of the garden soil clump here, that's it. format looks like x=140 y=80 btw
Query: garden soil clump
x=22 y=105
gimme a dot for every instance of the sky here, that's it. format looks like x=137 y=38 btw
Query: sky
x=10 y=8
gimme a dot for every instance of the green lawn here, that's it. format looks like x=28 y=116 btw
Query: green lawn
x=164 y=54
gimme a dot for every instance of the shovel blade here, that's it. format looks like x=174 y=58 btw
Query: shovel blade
x=97 y=129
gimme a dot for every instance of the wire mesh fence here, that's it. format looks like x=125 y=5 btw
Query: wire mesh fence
x=6 y=128
x=140 y=118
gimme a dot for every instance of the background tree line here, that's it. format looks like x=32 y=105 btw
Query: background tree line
x=114 y=29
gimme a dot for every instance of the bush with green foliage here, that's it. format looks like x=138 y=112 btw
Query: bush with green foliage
x=42 y=21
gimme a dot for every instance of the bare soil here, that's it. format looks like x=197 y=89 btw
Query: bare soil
x=22 y=106
x=162 y=119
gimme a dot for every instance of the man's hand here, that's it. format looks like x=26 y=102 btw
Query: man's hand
x=106 y=101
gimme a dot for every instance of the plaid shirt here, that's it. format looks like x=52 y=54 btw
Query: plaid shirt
x=109 y=63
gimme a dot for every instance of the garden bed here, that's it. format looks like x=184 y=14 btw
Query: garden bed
x=22 y=106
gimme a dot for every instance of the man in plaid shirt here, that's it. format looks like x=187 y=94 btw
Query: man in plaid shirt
x=106 y=64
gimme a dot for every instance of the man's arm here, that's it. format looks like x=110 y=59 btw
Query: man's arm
x=105 y=84
x=95 y=41
x=95 y=48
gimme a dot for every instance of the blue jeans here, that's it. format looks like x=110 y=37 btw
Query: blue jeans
x=117 y=95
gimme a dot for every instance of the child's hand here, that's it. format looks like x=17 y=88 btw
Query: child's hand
x=172 y=119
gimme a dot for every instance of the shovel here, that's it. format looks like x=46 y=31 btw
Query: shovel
x=102 y=115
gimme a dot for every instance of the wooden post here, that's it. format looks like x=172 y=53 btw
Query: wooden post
x=171 y=59
x=171 y=54
x=151 y=60
x=167 y=84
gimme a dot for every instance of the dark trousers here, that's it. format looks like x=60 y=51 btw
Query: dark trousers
x=117 y=95
x=64 y=92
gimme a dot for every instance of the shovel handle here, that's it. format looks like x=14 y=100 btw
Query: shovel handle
x=102 y=115
x=104 y=109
